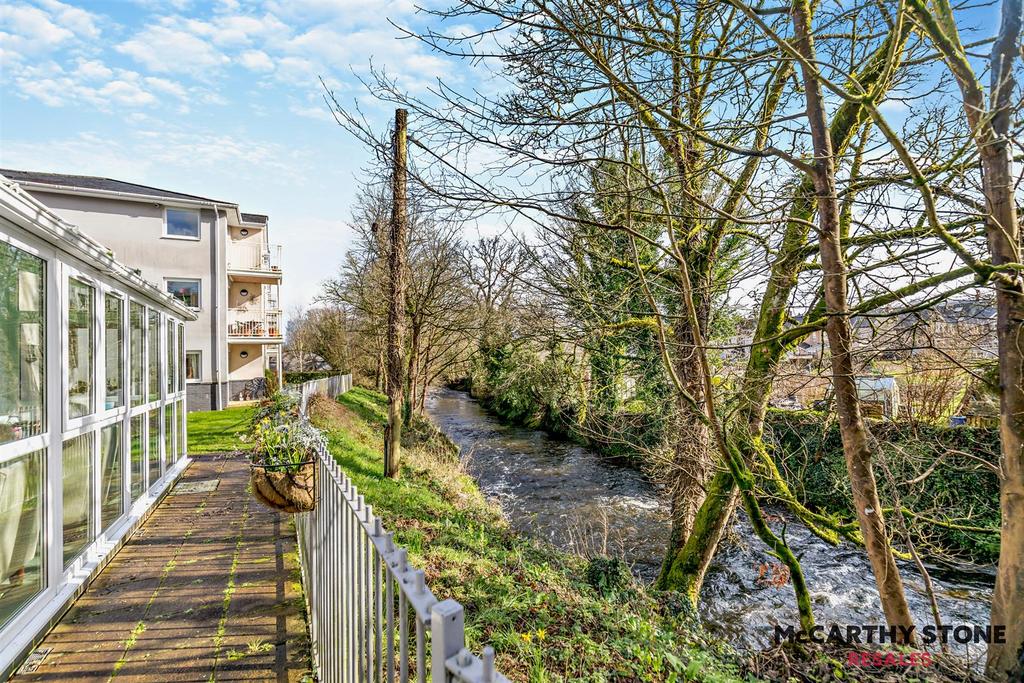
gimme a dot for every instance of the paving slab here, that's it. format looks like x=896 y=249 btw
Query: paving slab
x=205 y=590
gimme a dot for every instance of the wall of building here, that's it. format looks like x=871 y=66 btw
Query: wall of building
x=134 y=232
x=246 y=368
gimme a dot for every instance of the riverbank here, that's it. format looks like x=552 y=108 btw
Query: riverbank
x=943 y=477
x=531 y=602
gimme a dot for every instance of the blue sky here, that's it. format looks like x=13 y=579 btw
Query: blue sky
x=216 y=98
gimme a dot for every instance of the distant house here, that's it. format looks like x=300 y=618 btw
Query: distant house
x=205 y=252
x=879 y=396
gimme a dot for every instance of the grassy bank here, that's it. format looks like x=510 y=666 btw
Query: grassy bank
x=532 y=603
x=217 y=430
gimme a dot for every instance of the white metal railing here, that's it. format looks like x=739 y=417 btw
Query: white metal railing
x=258 y=257
x=328 y=386
x=370 y=611
x=254 y=322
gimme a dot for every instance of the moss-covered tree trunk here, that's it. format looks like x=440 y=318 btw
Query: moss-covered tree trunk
x=857 y=446
x=688 y=566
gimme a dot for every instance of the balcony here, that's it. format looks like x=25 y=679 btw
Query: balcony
x=257 y=259
x=254 y=324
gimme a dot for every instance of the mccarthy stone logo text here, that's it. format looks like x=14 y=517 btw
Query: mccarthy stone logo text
x=869 y=634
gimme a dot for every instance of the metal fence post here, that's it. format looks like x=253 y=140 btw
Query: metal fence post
x=447 y=637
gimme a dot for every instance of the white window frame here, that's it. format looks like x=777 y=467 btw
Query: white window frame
x=199 y=288
x=98 y=359
x=60 y=582
x=101 y=359
x=199 y=366
x=188 y=238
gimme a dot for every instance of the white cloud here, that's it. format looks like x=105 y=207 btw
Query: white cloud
x=165 y=86
x=256 y=60
x=81 y=22
x=85 y=153
x=30 y=30
x=318 y=113
x=96 y=84
x=93 y=70
x=169 y=50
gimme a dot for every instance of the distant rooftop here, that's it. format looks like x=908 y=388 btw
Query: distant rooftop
x=86 y=182
x=254 y=218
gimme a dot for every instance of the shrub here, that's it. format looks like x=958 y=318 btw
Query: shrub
x=278 y=407
x=300 y=377
x=287 y=444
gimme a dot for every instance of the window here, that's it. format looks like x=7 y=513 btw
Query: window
x=171 y=365
x=22 y=346
x=181 y=357
x=182 y=223
x=182 y=449
x=111 y=467
x=153 y=333
x=77 y=478
x=186 y=291
x=135 y=362
x=80 y=349
x=168 y=435
x=137 y=484
x=153 y=454
x=114 y=345
x=21 y=519
x=193 y=361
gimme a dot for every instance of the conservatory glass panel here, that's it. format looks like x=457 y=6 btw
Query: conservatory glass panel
x=137 y=369
x=78 y=464
x=137 y=443
x=80 y=359
x=22 y=344
x=21 y=532
x=111 y=468
x=153 y=454
x=171 y=350
x=181 y=429
x=113 y=344
x=154 y=355
x=168 y=435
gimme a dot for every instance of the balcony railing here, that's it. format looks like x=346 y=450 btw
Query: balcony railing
x=256 y=324
x=255 y=257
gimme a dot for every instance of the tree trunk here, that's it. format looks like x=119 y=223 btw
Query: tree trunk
x=1006 y=660
x=693 y=459
x=691 y=563
x=857 y=446
x=396 y=300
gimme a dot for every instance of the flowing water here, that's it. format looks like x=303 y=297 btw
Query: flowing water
x=569 y=496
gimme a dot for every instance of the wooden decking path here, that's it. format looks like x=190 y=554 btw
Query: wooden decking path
x=206 y=590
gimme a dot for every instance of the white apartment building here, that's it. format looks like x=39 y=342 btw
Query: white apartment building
x=206 y=252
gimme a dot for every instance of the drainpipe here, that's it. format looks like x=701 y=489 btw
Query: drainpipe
x=219 y=335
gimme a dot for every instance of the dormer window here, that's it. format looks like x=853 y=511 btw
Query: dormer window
x=182 y=224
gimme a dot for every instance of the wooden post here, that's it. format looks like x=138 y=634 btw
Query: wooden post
x=396 y=298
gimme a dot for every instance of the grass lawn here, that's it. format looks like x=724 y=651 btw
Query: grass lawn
x=217 y=430
x=530 y=601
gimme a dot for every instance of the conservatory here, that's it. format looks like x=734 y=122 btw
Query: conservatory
x=92 y=411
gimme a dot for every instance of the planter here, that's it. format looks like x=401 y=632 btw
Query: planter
x=288 y=488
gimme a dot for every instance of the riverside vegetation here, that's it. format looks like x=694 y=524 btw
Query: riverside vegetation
x=551 y=616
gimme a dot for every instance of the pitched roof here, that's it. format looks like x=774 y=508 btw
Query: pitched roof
x=85 y=182
x=254 y=218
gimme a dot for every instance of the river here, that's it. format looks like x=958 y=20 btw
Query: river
x=571 y=497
